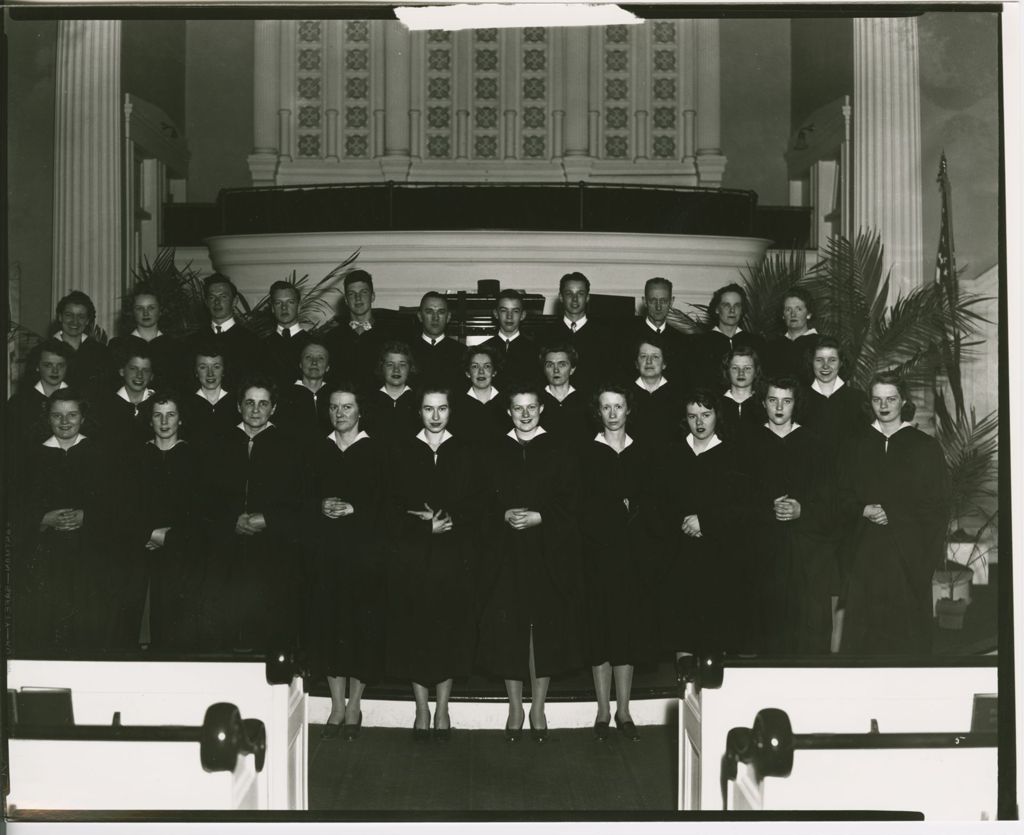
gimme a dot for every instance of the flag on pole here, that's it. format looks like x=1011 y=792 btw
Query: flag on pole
x=945 y=276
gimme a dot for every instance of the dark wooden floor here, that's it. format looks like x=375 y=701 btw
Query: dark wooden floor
x=478 y=771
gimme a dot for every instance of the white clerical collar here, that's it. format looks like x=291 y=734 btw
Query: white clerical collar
x=601 y=439
x=177 y=441
x=266 y=426
x=878 y=427
x=551 y=391
x=445 y=436
x=53 y=443
x=654 y=327
x=792 y=428
x=816 y=386
x=60 y=335
x=640 y=382
x=713 y=441
x=808 y=332
x=539 y=431
x=224 y=326
x=221 y=394
x=579 y=322
x=739 y=330
x=315 y=391
x=333 y=436
x=403 y=391
x=732 y=397
x=292 y=329
x=140 y=336
x=506 y=338
x=493 y=393
x=432 y=340
x=39 y=387
x=123 y=394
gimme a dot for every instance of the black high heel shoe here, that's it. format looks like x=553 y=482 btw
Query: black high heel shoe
x=539 y=734
x=513 y=734
x=350 y=732
x=330 y=730
x=601 y=729
x=627 y=729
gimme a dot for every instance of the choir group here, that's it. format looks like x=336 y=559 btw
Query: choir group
x=396 y=504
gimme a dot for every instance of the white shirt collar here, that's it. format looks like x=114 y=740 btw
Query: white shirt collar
x=512 y=433
x=53 y=443
x=331 y=436
x=654 y=327
x=224 y=326
x=241 y=425
x=60 y=335
x=640 y=383
x=178 y=441
x=551 y=391
x=579 y=322
x=739 y=330
x=445 y=436
x=816 y=386
x=39 y=387
x=428 y=339
x=403 y=391
x=323 y=384
x=732 y=397
x=494 y=393
x=221 y=394
x=505 y=338
x=713 y=441
x=878 y=427
x=792 y=428
x=808 y=332
x=140 y=336
x=293 y=329
x=123 y=394
x=601 y=439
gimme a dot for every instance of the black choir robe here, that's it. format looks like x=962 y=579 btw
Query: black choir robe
x=710 y=348
x=354 y=356
x=281 y=356
x=388 y=420
x=740 y=420
x=26 y=428
x=478 y=423
x=531 y=580
x=90 y=369
x=431 y=613
x=658 y=416
x=785 y=356
x=346 y=600
x=239 y=346
x=439 y=364
x=520 y=363
x=675 y=347
x=254 y=578
x=171 y=365
x=888 y=597
x=569 y=420
x=793 y=609
x=204 y=422
x=122 y=422
x=618 y=512
x=595 y=345
x=302 y=413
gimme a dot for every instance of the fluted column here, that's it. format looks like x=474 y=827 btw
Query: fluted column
x=87 y=208
x=887 y=143
x=575 y=132
x=265 y=102
x=710 y=160
x=397 y=68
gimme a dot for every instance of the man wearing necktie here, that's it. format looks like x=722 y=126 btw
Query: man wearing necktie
x=355 y=343
x=652 y=326
x=239 y=346
x=283 y=345
x=589 y=338
x=519 y=362
x=438 y=357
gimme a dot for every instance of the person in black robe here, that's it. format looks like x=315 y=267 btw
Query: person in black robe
x=653 y=326
x=566 y=415
x=789 y=528
x=516 y=351
x=252 y=501
x=391 y=410
x=282 y=347
x=90 y=369
x=210 y=412
x=894 y=489
x=433 y=511
x=302 y=412
x=592 y=340
x=704 y=578
x=140 y=323
x=789 y=354
x=240 y=347
x=479 y=415
x=529 y=626
x=344 y=520
x=657 y=414
x=438 y=357
x=121 y=415
x=357 y=337
x=742 y=410
x=620 y=625
x=165 y=550
x=725 y=313
x=60 y=571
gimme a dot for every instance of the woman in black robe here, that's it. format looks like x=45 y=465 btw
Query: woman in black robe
x=615 y=517
x=344 y=522
x=704 y=580
x=894 y=489
x=59 y=571
x=788 y=355
x=303 y=410
x=391 y=410
x=479 y=415
x=657 y=412
x=566 y=413
x=140 y=323
x=211 y=412
x=432 y=514
x=742 y=410
x=529 y=627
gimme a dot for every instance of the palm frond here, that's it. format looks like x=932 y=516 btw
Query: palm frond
x=970 y=447
x=766 y=284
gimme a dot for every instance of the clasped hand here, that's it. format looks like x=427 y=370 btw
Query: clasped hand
x=64 y=519
x=522 y=518
x=157 y=539
x=250 y=523
x=875 y=513
x=691 y=525
x=335 y=508
x=786 y=509
x=440 y=521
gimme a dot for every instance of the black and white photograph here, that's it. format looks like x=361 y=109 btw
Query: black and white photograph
x=507 y=412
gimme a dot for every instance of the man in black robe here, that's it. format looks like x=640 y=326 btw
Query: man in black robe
x=121 y=417
x=438 y=357
x=283 y=345
x=653 y=325
x=517 y=353
x=592 y=340
x=239 y=346
x=356 y=342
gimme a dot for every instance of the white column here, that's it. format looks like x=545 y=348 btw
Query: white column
x=710 y=160
x=576 y=159
x=887 y=143
x=265 y=102
x=397 y=67
x=332 y=88
x=88 y=246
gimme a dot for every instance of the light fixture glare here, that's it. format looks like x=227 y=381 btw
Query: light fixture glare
x=511 y=15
